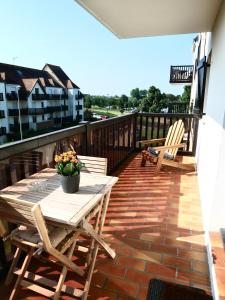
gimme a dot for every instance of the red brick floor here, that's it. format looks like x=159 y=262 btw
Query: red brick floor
x=155 y=226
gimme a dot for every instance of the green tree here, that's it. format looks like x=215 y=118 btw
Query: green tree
x=186 y=96
x=123 y=102
x=87 y=101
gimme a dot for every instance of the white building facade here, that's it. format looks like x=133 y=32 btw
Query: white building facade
x=32 y=100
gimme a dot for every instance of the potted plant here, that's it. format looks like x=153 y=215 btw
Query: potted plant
x=69 y=166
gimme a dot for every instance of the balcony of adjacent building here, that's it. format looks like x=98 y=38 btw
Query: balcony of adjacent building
x=16 y=127
x=79 y=107
x=2 y=131
x=2 y=114
x=37 y=97
x=153 y=223
x=79 y=96
x=54 y=96
x=58 y=108
x=13 y=96
x=181 y=74
x=16 y=112
x=36 y=111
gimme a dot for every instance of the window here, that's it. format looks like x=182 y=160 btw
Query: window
x=34 y=119
x=43 y=117
x=42 y=104
x=36 y=91
x=1 y=97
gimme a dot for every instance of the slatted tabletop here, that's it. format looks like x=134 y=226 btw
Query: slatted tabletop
x=44 y=187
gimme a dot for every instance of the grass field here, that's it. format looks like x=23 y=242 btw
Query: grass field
x=107 y=112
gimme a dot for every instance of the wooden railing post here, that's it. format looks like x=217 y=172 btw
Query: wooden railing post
x=134 y=119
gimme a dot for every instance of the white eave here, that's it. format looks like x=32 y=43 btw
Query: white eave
x=139 y=18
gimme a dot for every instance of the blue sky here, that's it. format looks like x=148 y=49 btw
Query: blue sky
x=62 y=33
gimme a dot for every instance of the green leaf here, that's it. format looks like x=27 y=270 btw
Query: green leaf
x=68 y=169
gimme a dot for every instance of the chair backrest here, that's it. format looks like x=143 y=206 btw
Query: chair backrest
x=17 y=211
x=175 y=136
x=24 y=213
x=94 y=164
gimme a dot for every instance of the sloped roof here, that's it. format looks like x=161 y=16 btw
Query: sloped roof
x=62 y=76
x=27 y=77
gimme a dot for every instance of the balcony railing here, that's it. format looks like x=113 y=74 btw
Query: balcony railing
x=39 y=97
x=15 y=112
x=2 y=131
x=11 y=96
x=2 y=114
x=52 y=109
x=64 y=107
x=36 y=111
x=181 y=74
x=79 y=107
x=16 y=127
x=64 y=96
x=79 y=96
x=53 y=96
x=113 y=138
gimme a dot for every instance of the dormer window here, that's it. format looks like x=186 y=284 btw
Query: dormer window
x=36 y=91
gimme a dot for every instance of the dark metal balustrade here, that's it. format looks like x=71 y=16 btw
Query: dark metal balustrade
x=39 y=96
x=16 y=127
x=181 y=74
x=2 y=131
x=15 y=112
x=79 y=107
x=2 y=114
x=52 y=109
x=53 y=96
x=36 y=111
x=64 y=107
x=11 y=96
x=64 y=96
x=79 y=96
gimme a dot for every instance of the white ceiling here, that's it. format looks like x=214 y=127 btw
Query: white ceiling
x=138 y=18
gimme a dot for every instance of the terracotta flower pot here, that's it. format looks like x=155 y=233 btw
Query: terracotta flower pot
x=70 y=184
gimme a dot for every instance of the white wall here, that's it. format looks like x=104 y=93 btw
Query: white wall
x=211 y=151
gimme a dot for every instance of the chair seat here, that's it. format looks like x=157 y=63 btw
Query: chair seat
x=56 y=235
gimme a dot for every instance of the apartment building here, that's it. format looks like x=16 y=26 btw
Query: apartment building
x=32 y=99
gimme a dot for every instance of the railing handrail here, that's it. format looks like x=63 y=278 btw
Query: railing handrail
x=13 y=148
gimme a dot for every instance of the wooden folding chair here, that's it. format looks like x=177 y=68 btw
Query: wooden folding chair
x=171 y=145
x=97 y=165
x=34 y=237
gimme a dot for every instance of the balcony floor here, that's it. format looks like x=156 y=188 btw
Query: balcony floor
x=155 y=226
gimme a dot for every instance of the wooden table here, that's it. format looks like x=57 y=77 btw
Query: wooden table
x=69 y=210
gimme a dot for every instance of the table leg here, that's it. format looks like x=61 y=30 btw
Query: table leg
x=90 y=230
x=92 y=244
x=64 y=272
